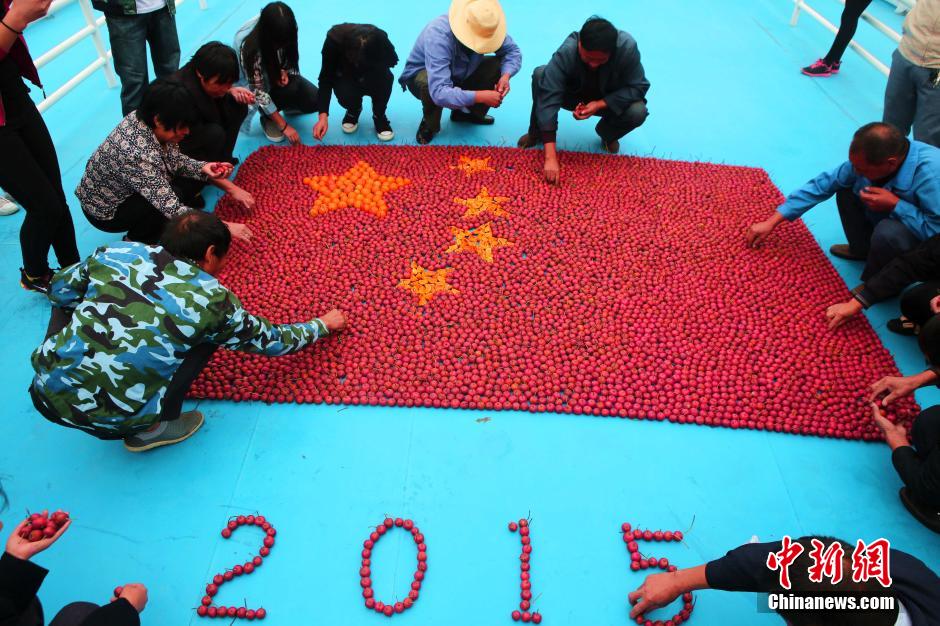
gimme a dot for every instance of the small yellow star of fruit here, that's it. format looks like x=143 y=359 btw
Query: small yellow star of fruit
x=471 y=166
x=479 y=240
x=426 y=283
x=483 y=203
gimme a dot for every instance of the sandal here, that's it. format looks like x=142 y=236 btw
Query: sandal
x=902 y=326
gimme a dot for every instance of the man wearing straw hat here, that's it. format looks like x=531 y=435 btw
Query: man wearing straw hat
x=447 y=66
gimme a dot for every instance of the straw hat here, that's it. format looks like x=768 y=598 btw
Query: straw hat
x=478 y=24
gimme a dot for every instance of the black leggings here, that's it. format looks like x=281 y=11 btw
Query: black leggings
x=299 y=96
x=850 y=15
x=135 y=216
x=29 y=172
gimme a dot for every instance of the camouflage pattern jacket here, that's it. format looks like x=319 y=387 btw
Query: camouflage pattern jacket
x=138 y=311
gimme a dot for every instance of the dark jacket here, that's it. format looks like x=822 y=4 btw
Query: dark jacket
x=125 y=7
x=19 y=583
x=381 y=55
x=745 y=569
x=621 y=80
x=920 y=264
x=225 y=111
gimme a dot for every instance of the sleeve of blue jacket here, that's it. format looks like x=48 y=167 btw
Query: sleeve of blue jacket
x=510 y=56
x=817 y=190
x=924 y=217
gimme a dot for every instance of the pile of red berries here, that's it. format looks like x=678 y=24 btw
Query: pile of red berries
x=365 y=571
x=206 y=608
x=638 y=562
x=41 y=526
x=525 y=574
x=627 y=291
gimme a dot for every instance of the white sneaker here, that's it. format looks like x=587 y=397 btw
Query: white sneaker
x=271 y=130
x=7 y=206
x=385 y=135
x=383 y=129
x=350 y=123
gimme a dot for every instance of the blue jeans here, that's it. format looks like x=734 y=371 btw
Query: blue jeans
x=873 y=235
x=912 y=99
x=129 y=35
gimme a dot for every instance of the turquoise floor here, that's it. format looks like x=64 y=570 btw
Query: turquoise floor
x=726 y=88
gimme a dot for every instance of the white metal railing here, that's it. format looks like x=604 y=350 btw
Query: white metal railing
x=801 y=6
x=91 y=29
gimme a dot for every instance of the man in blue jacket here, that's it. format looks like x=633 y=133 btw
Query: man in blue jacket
x=595 y=73
x=888 y=194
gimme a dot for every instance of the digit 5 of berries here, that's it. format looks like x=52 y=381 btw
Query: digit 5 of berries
x=41 y=526
x=365 y=572
x=206 y=608
x=523 y=614
x=637 y=562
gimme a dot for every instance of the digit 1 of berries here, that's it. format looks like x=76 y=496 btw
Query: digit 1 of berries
x=523 y=614
x=206 y=608
x=365 y=571
x=41 y=526
x=637 y=562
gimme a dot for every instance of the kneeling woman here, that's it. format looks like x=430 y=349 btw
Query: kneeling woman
x=128 y=184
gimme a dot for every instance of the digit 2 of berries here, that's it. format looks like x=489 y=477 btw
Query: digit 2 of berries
x=206 y=608
x=525 y=574
x=365 y=572
x=637 y=562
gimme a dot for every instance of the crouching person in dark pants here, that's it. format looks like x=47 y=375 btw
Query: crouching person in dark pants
x=145 y=320
x=595 y=73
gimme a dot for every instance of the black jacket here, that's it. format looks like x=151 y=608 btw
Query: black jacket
x=224 y=111
x=920 y=264
x=745 y=569
x=381 y=52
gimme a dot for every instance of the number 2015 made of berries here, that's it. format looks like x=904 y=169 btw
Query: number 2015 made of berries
x=365 y=571
x=639 y=562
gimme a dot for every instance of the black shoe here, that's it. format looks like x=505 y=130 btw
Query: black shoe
x=470 y=118
x=902 y=326
x=610 y=147
x=351 y=122
x=529 y=140
x=927 y=517
x=425 y=134
x=383 y=128
x=843 y=251
x=38 y=284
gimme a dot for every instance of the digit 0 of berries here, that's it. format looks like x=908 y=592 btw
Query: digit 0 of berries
x=525 y=576
x=365 y=571
x=41 y=526
x=638 y=562
x=206 y=608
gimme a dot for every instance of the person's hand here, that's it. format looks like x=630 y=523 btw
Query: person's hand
x=24 y=549
x=320 y=128
x=334 y=320
x=243 y=198
x=283 y=79
x=839 y=314
x=490 y=98
x=893 y=388
x=502 y=86
x=292 y=135
x=657 y=591
x=757 y=233
x=25 y=12
x=584 y=111
x=218 y=170
x=242 y=95
x=136 y=594
x=895 y=434
x=552 y=170
x=878 y=199
x=239 y=231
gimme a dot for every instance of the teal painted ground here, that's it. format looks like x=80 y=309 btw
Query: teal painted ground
x=726 y=88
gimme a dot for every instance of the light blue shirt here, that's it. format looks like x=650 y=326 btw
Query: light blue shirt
x=447 y=62
x=916 y=183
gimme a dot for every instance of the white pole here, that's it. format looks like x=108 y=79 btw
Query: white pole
x=797 y=5
x=103 y=53
x=72 y=83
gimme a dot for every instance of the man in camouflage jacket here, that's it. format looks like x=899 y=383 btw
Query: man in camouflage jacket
x=145 y=320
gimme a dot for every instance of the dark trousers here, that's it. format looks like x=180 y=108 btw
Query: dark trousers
x=483 y=78
x=299 y=95
x=192 y=365
x=915 y=302
x=135 y=216
x=74 y=614
x=873 y=235
x=925 y=438
x=610 y=127
x=29 y=172
x=850 y=15
x=377 y=85
x=211 y=141
x=912 y=99
x=129 y=35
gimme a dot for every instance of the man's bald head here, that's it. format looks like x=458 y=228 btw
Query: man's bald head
x=878 y=142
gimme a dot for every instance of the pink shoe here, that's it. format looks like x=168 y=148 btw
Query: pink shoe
x=820 y=69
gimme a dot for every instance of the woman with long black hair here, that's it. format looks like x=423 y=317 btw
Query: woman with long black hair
x=267 y=51
x=357 y=62
x=29 y=167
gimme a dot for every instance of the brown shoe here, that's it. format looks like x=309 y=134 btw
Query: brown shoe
x=528 y=140
x=843 y=251
x=930 y=519
x=612 y=147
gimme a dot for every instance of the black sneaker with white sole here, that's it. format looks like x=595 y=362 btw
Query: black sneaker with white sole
x=383 y=128
x=351 y=122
